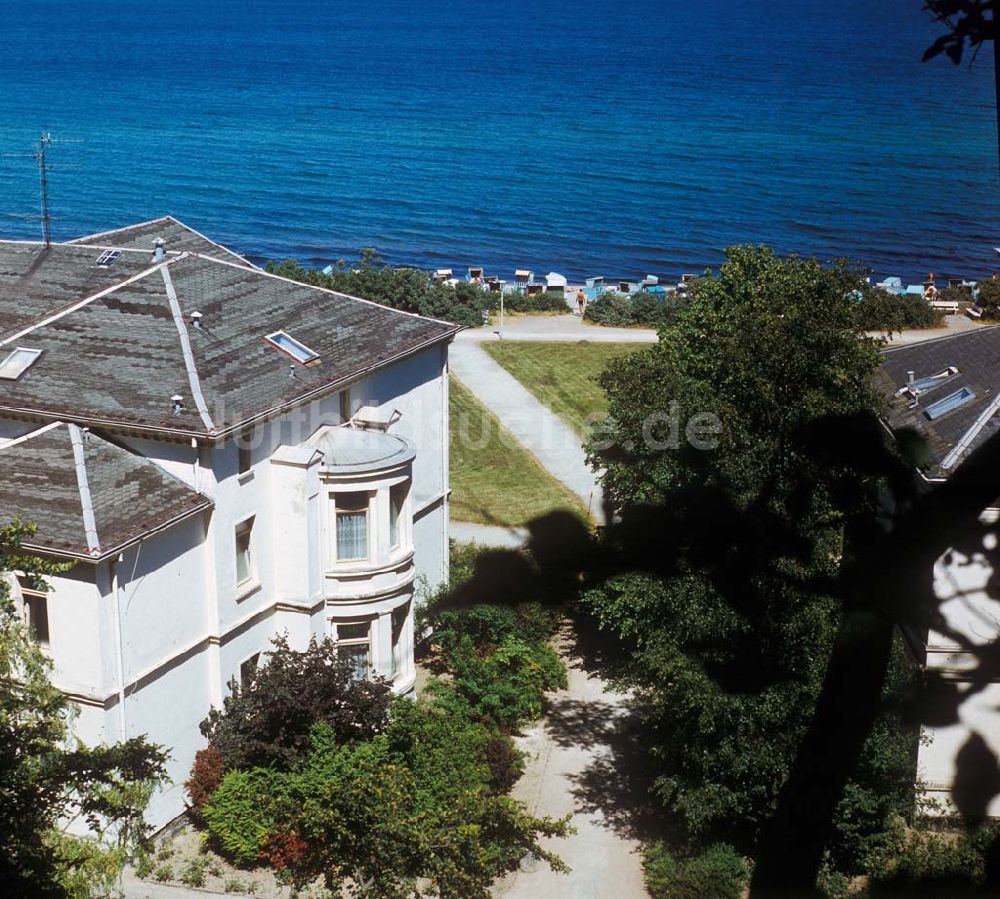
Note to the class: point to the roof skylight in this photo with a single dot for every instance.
(283, 341)
(108, 258)
(922, 385)
(17, 363)
(948, 403)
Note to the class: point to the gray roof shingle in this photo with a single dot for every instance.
(130, 496)
(976, 355)
(115, 361)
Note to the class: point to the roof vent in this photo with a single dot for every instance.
(178, 402)
(196, 318)
(159, 251)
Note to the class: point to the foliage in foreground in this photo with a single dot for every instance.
(717, 873)
(268, 721)
(729, 610)
(47, 779)
(388, 798)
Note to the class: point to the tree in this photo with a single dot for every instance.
(988, 297)
(969, 24)
(269, 720)
(47, 778)
(736, 545)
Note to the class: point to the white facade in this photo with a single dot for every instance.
(147, 643)
(970, 606)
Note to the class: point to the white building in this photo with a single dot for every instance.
(222, 455)
(948, 390)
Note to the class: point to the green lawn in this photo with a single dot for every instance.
(494, 479)
(563, 376)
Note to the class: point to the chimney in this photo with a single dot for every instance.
(159, 253)
(909, 378)
(196, 320)
(178, 402)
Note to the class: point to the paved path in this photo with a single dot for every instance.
(953, 324)
(488, 535)
(536, 427)
(583, 763)
(557, 328)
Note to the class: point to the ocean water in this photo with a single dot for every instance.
(586, 136)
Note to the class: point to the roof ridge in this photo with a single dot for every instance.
(194, 380)
(86, 500)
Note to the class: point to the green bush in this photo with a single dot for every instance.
(717, 873)
(505, 761)
(879, 310)
(241, 813)
(193, 873)
(408, 289)
(611, 308)
(488, 625)
(506, 687)
(920, 862)
(550, 301)
(988, 297)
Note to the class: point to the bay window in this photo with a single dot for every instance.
(351, 526)
(354, 646)
(397, 497)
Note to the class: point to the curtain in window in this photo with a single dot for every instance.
(357, 655)
(352, 535)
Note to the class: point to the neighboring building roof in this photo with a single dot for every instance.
(176, 236)
(89, 498)
(955, 432)
(119, 342)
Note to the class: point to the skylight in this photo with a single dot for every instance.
(922, 385)
(108, 258)
(17, 363)
(288, 345)
(948, 403)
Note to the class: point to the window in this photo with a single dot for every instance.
(345, 404)
(291, 347)
(952, 401)
(399, 617)
(248, 671)
(243, 443)
(397, 497)
(17, 363)
(108, 258)
(351, 526)
(36, 611)
(244, 556)
(354, 646)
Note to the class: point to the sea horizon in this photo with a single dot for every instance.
(585, 138)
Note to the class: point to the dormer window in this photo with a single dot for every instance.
(108, 258)
(294, 349)
(950, 402)
(18, 362)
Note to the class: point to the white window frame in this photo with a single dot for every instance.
(396, 638)
(336, 496)
(399, 524)
(30, 596)
(347, 642)
(245, 527)
(252, 658)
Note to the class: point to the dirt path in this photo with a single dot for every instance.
(584, 761)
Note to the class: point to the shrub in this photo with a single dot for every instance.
(241, 813)
(988, 297)
(611, 308)
(506, 687)
(269, 722)
(550, 301)
(488, 625)
(919, 862)
(506, 763)
(163, 873)
(879, 310)
(407, 289)
(206, 775)
(193, 873)
(718, 873)
(236, 885)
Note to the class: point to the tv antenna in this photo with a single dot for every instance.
(41, 160)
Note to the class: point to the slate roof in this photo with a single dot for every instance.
(114, 343)
(976, 355)
(127, 496)
(176, 236)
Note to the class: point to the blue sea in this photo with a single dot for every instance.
(585, 136)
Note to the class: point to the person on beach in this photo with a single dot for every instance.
(581, 301)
